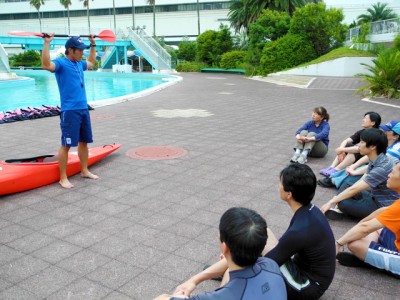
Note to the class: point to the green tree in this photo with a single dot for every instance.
(270, 26)
(37, 4)
(187, 50)
(153, 3)
(66, 4)
(212, 44)
(377, 12)
(243, 12)
(288, 6)
(322, 26)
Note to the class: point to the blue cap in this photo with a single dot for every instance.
(396, 129)
(76, 42)
(389, 126)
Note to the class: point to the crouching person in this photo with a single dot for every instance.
(243, 235)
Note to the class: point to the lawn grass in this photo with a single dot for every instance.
(338, 53)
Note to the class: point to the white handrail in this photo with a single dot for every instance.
(4, 64)
(378, 27)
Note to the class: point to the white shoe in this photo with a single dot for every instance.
(302, 159)
(295, 157)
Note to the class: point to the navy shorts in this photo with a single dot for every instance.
(75, 127)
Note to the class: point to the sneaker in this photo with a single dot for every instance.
(219, 278)
(328, 172)
(334, 214)
(302, 159)
(295, 157)
(350, 260)
(326, 182)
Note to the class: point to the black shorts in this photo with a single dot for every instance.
(298, 285)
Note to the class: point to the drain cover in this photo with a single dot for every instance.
(156, 152)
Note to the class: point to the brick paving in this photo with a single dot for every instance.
(145, 226)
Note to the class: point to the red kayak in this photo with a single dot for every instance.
(17, 175)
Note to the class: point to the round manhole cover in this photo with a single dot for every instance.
(156, 152)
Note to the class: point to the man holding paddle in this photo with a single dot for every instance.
(75, 119)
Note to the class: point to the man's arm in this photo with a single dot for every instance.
(47, 64)
(358, 232)
(91, 60)
(216, 270)
(357, 187)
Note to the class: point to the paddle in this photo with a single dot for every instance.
(105, 35)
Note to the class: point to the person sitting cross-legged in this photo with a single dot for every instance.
(305, 252)
(370, 192)
(348, 152)
(243, 234)
(375, 240)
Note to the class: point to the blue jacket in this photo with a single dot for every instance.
(321, 132)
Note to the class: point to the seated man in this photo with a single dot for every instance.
(375, 240)
(306, 251)
(243, 234)
(370, 192)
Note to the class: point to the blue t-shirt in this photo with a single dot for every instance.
(321, 131)
(71, 83)
(261, 281)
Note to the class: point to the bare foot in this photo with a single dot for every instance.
(66, 184)
(89, 175)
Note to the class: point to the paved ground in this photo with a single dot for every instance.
(145, 226)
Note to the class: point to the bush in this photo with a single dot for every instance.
(27, 59)
(233, 59)
(383, 79)
(212, 44)
(396, 43)
(190, 67)
(287, 52)
(187, 50)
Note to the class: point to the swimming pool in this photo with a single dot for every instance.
(102, 88)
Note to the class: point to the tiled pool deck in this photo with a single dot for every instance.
(145, 226)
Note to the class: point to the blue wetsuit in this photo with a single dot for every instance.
(310, 241)
(261, 281)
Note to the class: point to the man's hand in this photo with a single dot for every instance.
(92, 40)
(48, 37)
(185, 288)
(324, 208)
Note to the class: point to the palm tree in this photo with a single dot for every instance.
(244, 12)
(153, 2)
(288, 5)
(37, 4)
(86, 4)
(66, 4)
(378, 12)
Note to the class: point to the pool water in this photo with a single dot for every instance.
(99, 86)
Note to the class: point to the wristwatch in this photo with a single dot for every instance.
(92, 45)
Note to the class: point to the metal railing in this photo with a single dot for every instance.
(379, 27)
(157, 56)
(4, 64)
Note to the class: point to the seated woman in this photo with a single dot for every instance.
(312, 139)
(353, 173)
(348, 153)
